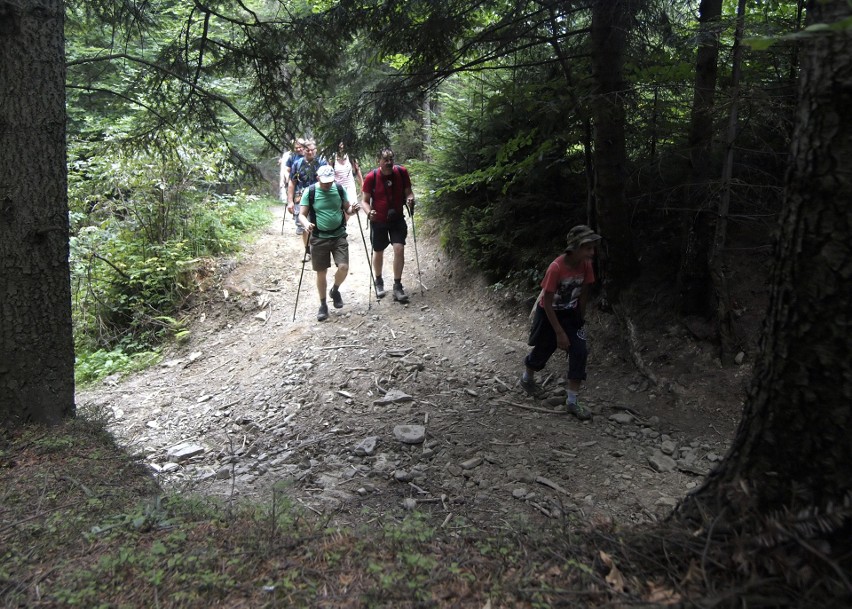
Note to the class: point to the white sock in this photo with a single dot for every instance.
(572, 397)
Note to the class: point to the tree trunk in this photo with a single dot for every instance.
(36, 344)
(693, 275)
(611, 22)
(792, 448)
(729, 343)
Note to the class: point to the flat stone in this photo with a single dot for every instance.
(410, 434)
(393, 396)
(668, 447)
(183, 451)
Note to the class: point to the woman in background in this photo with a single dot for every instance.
(346, 172)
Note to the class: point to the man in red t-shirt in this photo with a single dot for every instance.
(384, 192)
(560, 316)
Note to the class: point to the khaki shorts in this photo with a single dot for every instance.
(322, 251)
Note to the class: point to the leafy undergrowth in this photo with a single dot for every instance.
(82, 524)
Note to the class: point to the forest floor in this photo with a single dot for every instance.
(255, 401)
(387, 457)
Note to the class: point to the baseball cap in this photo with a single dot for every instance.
(580, 235)
(326, 174)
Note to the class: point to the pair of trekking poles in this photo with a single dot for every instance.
(369, 262)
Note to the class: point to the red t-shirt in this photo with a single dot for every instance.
(566, 283)
(387, 191)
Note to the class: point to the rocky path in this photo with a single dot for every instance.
(386, 408)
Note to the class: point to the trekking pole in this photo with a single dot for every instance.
(299, 289)
(369, 263)
(416, 257)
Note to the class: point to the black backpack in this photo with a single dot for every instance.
(312, 215)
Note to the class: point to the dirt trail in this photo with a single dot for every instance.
(256, 401)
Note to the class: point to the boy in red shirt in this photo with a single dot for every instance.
(560, 315)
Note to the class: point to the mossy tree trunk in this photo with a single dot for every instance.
(36, 344)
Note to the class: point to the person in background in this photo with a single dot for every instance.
(384, 191)
(302, 175)
(560, 316)
(347, 173)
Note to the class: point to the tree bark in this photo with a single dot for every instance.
(693, 275)
(728, 341)
(36, 344)
(792, 448)
(612, 20)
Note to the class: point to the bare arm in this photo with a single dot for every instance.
(304, 220)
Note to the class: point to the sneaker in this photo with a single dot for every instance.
(380, 287)
(322, 314)
(336, 298)
(530, 386)
(578, 411)
(399, 294)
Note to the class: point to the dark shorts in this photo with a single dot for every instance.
(543, 341)
(322, 251)
(382, 235)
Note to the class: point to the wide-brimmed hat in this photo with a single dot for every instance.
(580, 235)
(326, 174)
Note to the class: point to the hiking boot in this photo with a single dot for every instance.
(530, 387)
(578, 411)
(322, 314)
(399, 294)
(380, 287)
(336, 298)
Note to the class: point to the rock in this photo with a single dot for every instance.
(662, 463)
(393, 396)
(739, 357)
(623, 418)
(223, 473)
(520, 493)
(712, 457)
(668, 447)
(666, 501)
(409, 503)
(184, 451)
(366, 447)
(471, 463)
(401, 475)
(410, 434)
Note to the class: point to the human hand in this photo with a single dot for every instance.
(410, 202)
(371, 214)
(290, 208)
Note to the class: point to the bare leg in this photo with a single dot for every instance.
(322, 283)
(398, 260)
(378, 262)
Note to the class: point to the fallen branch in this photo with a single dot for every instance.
(534, 408)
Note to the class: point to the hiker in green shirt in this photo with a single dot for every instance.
(323, 215)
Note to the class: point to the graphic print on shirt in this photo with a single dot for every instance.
(568, 293)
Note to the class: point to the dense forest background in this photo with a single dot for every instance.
(664, 124)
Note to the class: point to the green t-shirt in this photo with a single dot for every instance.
(329, 213)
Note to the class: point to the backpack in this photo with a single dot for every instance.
(397, 174)
(312, 215)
